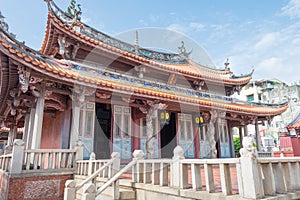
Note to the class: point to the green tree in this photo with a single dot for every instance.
(237, 145)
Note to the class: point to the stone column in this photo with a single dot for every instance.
(26, 126)
(150, 135)
(241, 136)
(10, 139)
(258, 138)
(38, 121)
(11, 135)
(211, 133)
(30, 128)
(231, 142)
(245, 130)
(75, 122)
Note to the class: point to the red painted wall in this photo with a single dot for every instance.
(51, 132)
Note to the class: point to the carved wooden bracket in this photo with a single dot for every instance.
(23, 78)
(128, 100)
(82, 91)
(140, 70)
(103, 95)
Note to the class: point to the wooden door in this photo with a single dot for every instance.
(224, 139)
(86, 127)
(122, 131)
(204, 144)
(186, 135)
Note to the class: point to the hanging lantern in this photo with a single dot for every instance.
(198, 119)
(163, 116)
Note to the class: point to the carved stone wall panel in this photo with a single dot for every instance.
(42, 189)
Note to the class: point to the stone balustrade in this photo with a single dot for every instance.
(264, 154)
(153, 171)
(280, 175)
(195, 173)
(5, 161)
(49, 159)
(88, 167)
(22, 161)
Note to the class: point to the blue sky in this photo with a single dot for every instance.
(260, 33)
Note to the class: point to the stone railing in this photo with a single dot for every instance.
(247, 177)
(40, 160)
(153, 171)
(5, 162)
(206, 170)
(88, 167)
(49, 159)
(109, 169)
(280, 175)
(265, 154)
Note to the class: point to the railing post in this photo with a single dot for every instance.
(250, 171)
(79, 150)
(89, 192)
(137, 155)
(175, 168)
(17, 156)
(115, 167)
(91, 163)
(70, 190)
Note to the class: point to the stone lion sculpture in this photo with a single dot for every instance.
(248, 149)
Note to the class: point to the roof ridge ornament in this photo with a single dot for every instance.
(74, 11)
(136, 42)
(227, 63)
(183, 52)
(3, 24)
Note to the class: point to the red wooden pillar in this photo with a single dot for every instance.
(135, 139)
(196, 141)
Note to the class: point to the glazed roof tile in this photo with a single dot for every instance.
(58, 18)
(295, 124)
(58, 69)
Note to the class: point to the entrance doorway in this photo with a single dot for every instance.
(168, 139)
(102, 135)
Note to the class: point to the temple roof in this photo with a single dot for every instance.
(98, 78)
(162, 61)
(295, 124)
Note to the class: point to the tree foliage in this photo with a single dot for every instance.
(237, 145)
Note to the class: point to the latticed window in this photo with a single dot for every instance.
(86, 120)
(185, 127)
(223, 131)
(202, 132)
(122, 121)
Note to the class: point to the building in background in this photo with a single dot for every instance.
(272, 91)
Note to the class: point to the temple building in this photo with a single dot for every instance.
(118, 97)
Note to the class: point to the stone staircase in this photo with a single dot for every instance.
(126, 192)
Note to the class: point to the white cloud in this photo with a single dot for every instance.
(267, 40)
(292, 9)
(274, 54)
(177, 28)
(196, 26)
(191, 27)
